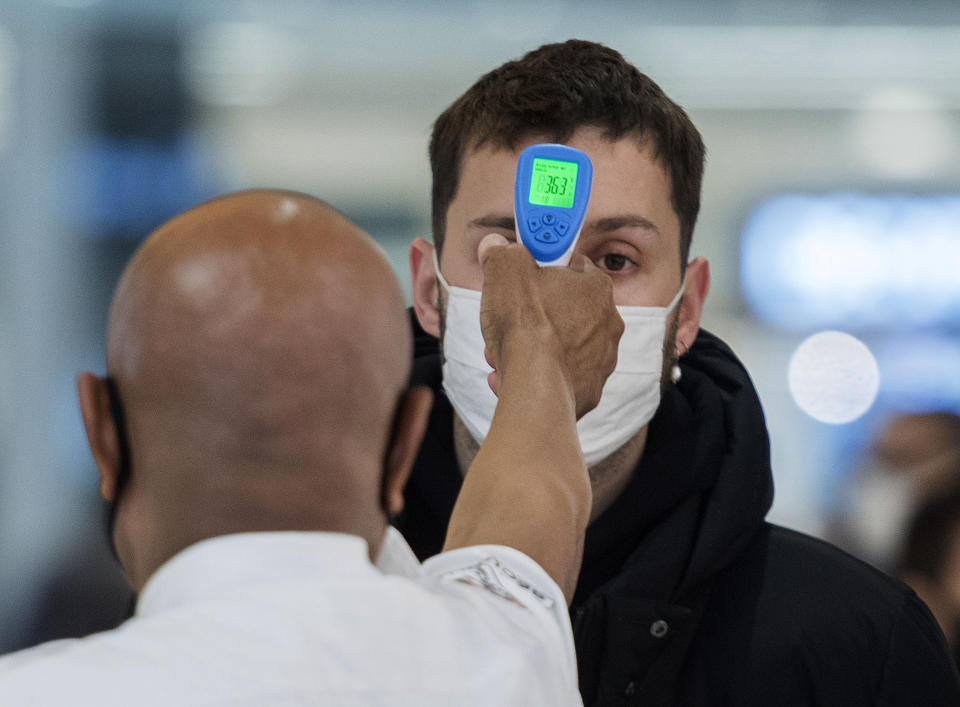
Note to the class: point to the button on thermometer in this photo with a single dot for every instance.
(550, 198)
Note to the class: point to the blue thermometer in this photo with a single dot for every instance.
(550, 198)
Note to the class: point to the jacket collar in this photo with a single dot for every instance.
(700, 491)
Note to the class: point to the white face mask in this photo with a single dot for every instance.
(630, 396)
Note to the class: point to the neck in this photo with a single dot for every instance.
(608, 478)
(235, 513)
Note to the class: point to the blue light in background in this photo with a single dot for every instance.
(884, 266)
(853, 261)
(920, 373)
(128, 187)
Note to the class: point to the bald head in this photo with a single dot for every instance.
(260, 324)
(260, 348)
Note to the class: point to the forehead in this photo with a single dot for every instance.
(628, 178)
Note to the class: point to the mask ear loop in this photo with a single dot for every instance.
(675, 373)
(392, 518)
(676, 297)
(123, 467)
(123, 474)
(436, 268)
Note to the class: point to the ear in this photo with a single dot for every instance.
(408, 430)
(102, 434)
(424, 280)
(696, 287)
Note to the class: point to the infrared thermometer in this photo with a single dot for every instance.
(550, 196)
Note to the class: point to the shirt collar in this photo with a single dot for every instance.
(224, 565)
(396, 557)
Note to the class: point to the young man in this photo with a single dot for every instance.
(686, 595)
(255, 431)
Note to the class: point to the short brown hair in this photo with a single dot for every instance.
(552, 91)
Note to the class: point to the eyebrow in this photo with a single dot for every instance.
(604, 225)
(614, 223)
(493, 221)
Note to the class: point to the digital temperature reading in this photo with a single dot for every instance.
(550, 195)
(554, 182)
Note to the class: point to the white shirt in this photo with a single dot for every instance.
(283, 619)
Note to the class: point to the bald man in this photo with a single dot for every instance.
(255, 431)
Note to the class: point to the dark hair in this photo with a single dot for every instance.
(949, 423)
(552, 91)
(927, 545)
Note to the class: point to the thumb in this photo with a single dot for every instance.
(580, 263)
(491, 240)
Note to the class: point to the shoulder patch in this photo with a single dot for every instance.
(499, 579)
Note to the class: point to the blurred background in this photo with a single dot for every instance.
(831, 216)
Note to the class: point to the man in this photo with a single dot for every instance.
(686, 595)
(253, 434)
(912, 458)
(929, 559)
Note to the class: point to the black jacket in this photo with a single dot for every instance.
(686, 595)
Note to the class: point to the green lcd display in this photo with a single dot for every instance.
(553, 182)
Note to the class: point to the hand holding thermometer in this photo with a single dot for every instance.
(550, 198)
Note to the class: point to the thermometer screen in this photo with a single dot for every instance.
(553, 182)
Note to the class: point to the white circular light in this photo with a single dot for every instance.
(833, 377)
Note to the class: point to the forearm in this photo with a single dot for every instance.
(528, 487)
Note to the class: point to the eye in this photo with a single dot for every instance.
(614, 262)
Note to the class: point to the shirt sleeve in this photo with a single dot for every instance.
(918, 669)
(512, 584)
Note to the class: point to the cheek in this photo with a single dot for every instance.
(640, 289)
(462, 271)
(630, 292)
(648, 285)
(459, 262)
